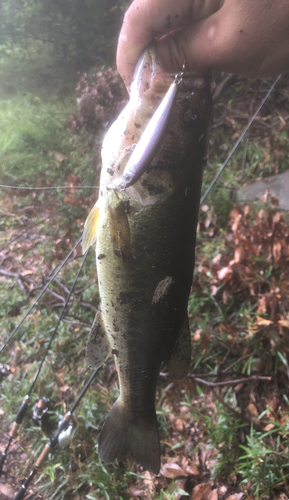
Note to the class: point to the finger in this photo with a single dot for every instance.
(229, 40)
(147, 19)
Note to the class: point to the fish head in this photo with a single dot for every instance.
(188, 120)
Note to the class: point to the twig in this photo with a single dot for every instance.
(90, 306)
(60, 304)
(280, 455)
(190, 375)
(236, 362)
(229, 349)
(19, 278)
(59, 297)
(232, 382)
(21, 285)
(76, 323)
(226, 405)
(12, 275)
(62, 286)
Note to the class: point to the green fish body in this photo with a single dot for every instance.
(145, 241)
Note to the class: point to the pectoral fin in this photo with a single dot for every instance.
(120, 232)
(180, 359)
(98, 347)
(90, 228)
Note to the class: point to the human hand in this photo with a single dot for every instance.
(246, 37)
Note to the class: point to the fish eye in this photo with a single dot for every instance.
(128, 177)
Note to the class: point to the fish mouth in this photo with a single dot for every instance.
(149, 75)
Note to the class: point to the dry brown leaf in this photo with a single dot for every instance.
(277, 251)
(179, 425)
(214, 494)
(263, 321)
(284, 322)
(192, 469)
(201, 492)
(64, 388)
(252, 410)
(135, 491)
(268, 427)
(59, 157)
(235, 496)
(205, 341)
(223, 490)
(173, 470)
(225, 273)
(25, 273)
(239, 254)
(6, 490)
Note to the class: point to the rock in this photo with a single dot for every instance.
(277, 185)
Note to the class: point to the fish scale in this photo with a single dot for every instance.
(145, 241)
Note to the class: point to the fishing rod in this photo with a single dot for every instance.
(60, 437)
(239, 140)
(39, 296)
(24, 405)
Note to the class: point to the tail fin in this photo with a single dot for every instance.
(122, 438)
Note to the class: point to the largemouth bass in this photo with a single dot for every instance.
(145, 240)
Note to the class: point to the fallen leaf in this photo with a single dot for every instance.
(263, 321)
(135, 491)
(201, 492)
(64, 388)
(6, 490)
(284, 322)
(252, 410)
(214, 495)
(192, 469)
(173, 470)
(223, 490)
(225, 273)
(59, 157)
(179, 425)
(25, 273)
(268, 427)
(235, 496)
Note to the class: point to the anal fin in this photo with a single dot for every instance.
(98, 347)
(180, 358)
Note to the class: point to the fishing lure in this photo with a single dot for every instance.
(146, 149)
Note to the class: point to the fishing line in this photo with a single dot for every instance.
(64, 424)
(239, 140)
(48, 187)
(39, 295)
(24, 405)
